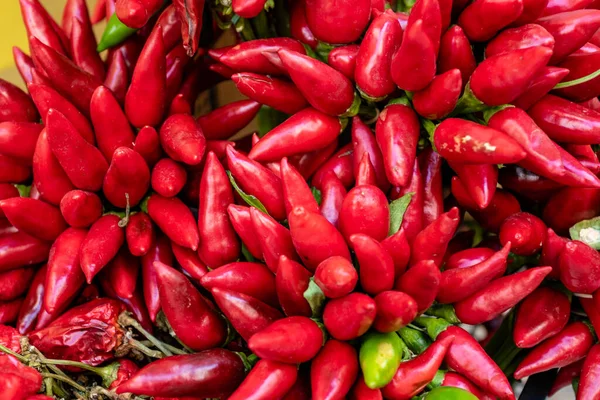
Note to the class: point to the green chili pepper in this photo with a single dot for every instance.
(380, 355)
(416, 340)
(449, 393)
(433, 326)
(114, 33)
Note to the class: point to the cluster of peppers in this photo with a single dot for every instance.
(418, 166)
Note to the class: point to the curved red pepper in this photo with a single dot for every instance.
(32, 305)
(139, 234)
(459, 283)
(190, 14)
(34, 217)
(307, 130)
(290, 340)
(182, 139)
(295, 190)
(160, 251)
(540, 85)
(15, 282)
(168, 177)
(499, 296)
(299, 27)
(579, 266)
(122, 273)
(127, 179)
(365, 173)
(24, 64)
(365, 210)
(414, 64)
(17, 249)
(337, 23)
(463, 141)
(336, 276)
(117, 77)
(431, 242)
(39, 24)
(590, 373)
(332, 197)
(394, 311)
(83, 47)
(333, 370)
(565, 376)
(580, 65)
(18, 140)
(101, 245)
(398, 248)
(569, 345)
(210, 373)
(440, 97)
(512, 81)
(175, 219)
(551, 249)
(583, 203)
(525, 231)
(376, 265)
(522, 37)
(543, 314)
(350, 316)
(431, 13)
(227, 120)
(372, 71)
(421, 282)
(291, 282)
(466, 357)
(456, 52)
(341, 164)
(496, 14)
(273, 92)
(412, 376)
(266, 380)
(64, 277)
(147, 144)
(246, 314)
(343, 59)
(274, 239)
(242, 224)
(364, 142)
(478, 180)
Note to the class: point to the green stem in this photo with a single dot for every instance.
(125, 220)
(12, 353)
(126, 320)
(147, 351)
(66, 380)
(578, 81)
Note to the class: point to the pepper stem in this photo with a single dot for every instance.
(66, 380)
(445, 311)
(12, 353)
(125, 220)
(468, 103)
(434, 326)
(578, 81)
(125, 319)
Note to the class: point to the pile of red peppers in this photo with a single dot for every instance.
(417, 216)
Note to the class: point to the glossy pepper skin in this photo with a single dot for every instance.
(569, 345)
(372, 72)
(182, 139)
(439, 98)
(101, 244)
(267, 379)
(421, 282)
(122, 273)
(478, 184)
(412, 376)
(579, 266)
(431, 242)
(540, 85)
(20, 249)
(343, 59)
(588, 382)
(168, 177)
(394, 311)
(525, 36)
(397, 133)
(190, 15)
(380, 355)
(336, 277)
(350, 316)
(273, 238)
(337, 22)
(291, 282)
(139, 234)
(376, 265)
(543, 314)
(583, 201)
(341, 164)
(333, 370)
(32, 305)
(241, 221)
(34, 217)
(273, 92)
(525, 232)
(227, 120)
(127, 178)
(46, 97)
(289, 340)
(306, 131)
(580, 65)
(299, 28)
(455, 52)
(175, 219)
(365, 211)
(80, 209)
(221, 371)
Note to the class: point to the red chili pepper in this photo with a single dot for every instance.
(242, 224)
(421, 282)
(9, 310)
(501, 13)
(227, 120)
(431, 14)
(464, 280)
(34, 217)
(117, 77)
(522, 37)
(543, 314)
(583, 203)
(16, 105)
(160, 251)
(456, 52)
(18, 380)
(15, 282)
(275, 240)
(18, 140)
(341, 164)
(440, 97)
(551, 249)
(291, 282)
(210, 373)
(466, 357)
(171, 23)
(365, 210)
(343, 23)
(365, 173)
(413, 65)
(83, 47)
(540, 85)
(343, 59)
(276, 93)
(7, 191)
(295, 190)
(332, 197)
(314, 238)
(24, 64)
(336, 276)
(180, 105)
(565, 376)
(190, 13)
(571, 30)
(248, 8)
(12, 171)
(290, 340)
(452, 379)
(127, 179)
(413, 217)
(122, 273)
(147, 143)
(364, 142)
(101, 245)
(431, 242)
(398, 248)
(360, 391)
(394, 311)
(376, 265)
(19, 249)
(579, 266)
(145, 101)
(372, 71)
(590, 372)
(475, 184)
(306, 131)
(39, 24)
(499, 296)
(72, 82)
(168, 177)
(580, 65)
(525, 231)
(139, 234)
(176, 62)
(514, 82)
(135, 13)
(175, 219)
(32, 305)
(299, 28)
(572, 344)
(182, 139)
(350, 316)
(463, 141)
(334, 370)
(80, 209)
(266, 380)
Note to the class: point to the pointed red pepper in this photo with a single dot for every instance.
(190, 13)
(440, 97)
(376, 265)
(291, 281)
(350, 316)
(71, 81)
(551, 249)
(45, 98)
(111, 127)
(32, 305)
(522, 37)
(299, 28)
(139, 234)
(414, 64)
(456, 52)
(496, 14)
(579, 266)
(398, 248)
(412, 222)
(242, 224)
(145, 102)
(266, 380)
(275, 240)
(160, 251)
(364, 142)
(412, 376)
(64, 277)
(24, 64)
(430, 11)
(34, 217)
(584, 203)
(542, 83)
(295, 190)
(39, 24)
(365, 210)
(18, 140)
(394, 311)
(289, 340)
(565, 376)
(571, 30)
(421, 282)
(307, 130)
(175, 219)
(227, 120)
(182, 139)
(525, 231)
(341, 164)
(101, 245)
(15, 283)
(333, 371)
(581, 65)
(147, 144)
(273, 92)
(48, 176)
(478, 180)
(465, 141)
(588, 382)
(15, 105)
(372, 72)
(127, 179)
(117, 77)
(83, 163)
(122, 273)
(342, 23)
(83, 48)
(343, 59)
(431, 242)
(135, 13)
(365, 173)
(569, 345)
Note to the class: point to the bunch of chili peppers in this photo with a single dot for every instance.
(419, 168)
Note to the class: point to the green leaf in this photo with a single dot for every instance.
(268, 119)
(316, 194)
(315, 297)
(397, 209)
(248, 198)
(587, 231)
